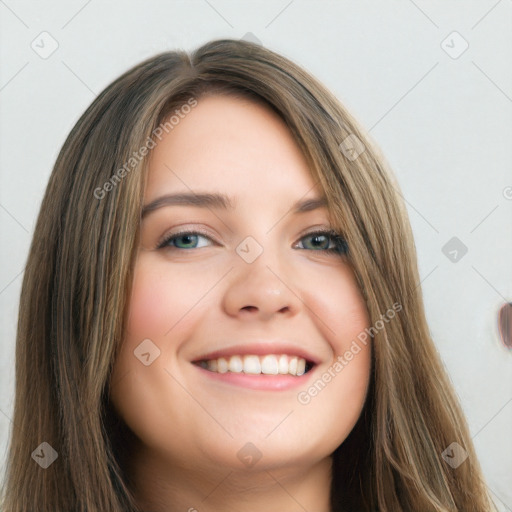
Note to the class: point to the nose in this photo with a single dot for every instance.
(260, 290)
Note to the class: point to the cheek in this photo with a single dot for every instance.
(339, 308)
(155, 307)
(339, 388)
(352, 352)
(147, 396)
(152, 303)
(161, 300)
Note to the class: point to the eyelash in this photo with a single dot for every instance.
(341, 244)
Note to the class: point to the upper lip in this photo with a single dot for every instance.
(262, 348)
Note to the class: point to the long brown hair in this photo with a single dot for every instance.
(80, 268)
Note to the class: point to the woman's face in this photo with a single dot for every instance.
(257, 284)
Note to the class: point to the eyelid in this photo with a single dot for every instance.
(320, 228)
(324, 230)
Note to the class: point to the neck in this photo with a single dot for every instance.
(164, 487)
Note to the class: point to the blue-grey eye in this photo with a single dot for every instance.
(326, 241)
(185, 240)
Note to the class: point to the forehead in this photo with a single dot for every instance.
(231, 144)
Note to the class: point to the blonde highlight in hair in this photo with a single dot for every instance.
(78, 279)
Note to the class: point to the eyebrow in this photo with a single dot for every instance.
(220, 201)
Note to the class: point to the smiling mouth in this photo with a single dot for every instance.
(271, 364)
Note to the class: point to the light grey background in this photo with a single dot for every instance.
(443, 123)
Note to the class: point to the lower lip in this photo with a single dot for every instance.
(260, 381)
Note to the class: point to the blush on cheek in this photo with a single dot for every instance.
(146, 314)
(163, 300)
(152, 303)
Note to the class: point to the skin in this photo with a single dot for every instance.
(193, 300)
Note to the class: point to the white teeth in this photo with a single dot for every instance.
(252, 364)
(222, 365)
(283, 364)
(301, 366)
(292, 366)
(268, 365)
(236, 365)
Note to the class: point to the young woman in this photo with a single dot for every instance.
(221, 310)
